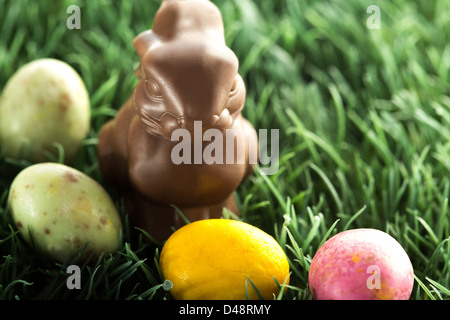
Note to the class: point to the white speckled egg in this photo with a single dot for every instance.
(43, 103)
(60, 209)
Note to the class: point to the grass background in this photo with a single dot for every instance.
(364, 119)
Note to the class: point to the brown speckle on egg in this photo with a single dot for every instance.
(64, 103)
(71, 177)
(103, 220)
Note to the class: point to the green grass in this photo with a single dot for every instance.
(364, 120)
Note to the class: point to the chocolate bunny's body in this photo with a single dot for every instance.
(187, 74)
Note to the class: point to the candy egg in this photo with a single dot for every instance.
(59, 210)
(361, 264)
(215, 259)
(44, 104)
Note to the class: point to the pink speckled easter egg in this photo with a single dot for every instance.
(361, 264)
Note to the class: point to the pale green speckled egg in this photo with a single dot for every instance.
(44, 104)
(60, 209)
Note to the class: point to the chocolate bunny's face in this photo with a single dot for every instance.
(187, 76)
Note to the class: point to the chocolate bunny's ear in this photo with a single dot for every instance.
(143, 42)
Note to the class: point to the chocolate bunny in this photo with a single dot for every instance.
(187, 76)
